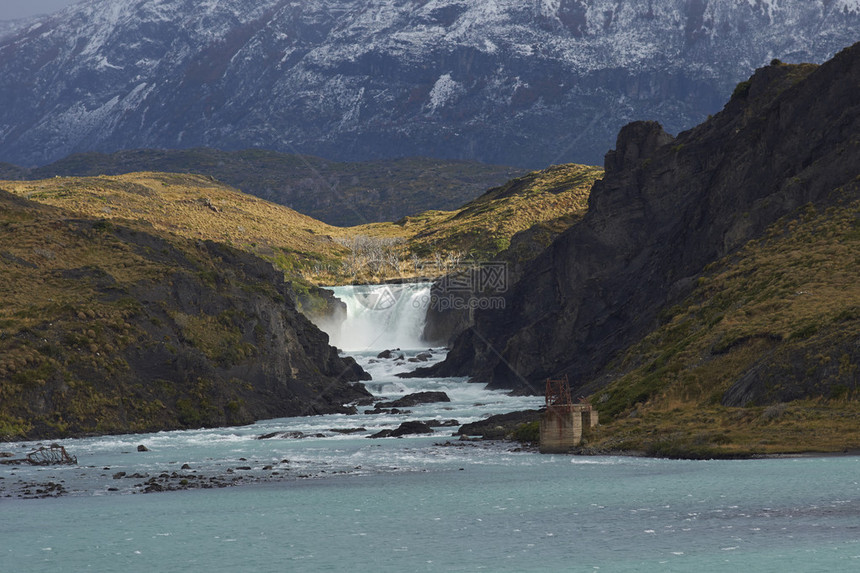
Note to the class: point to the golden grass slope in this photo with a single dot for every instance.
(199, 207)
(483, 228)
(782, 314)
(113, 326)
(192, 206)
(56, 324)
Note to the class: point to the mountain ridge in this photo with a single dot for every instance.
(527, 84)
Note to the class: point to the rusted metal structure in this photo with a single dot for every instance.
(55, 455)
(562, 423)
(558, 392)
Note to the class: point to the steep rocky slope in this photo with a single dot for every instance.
(666, 208)
(498, 233)
(114, 326)
(502, 81)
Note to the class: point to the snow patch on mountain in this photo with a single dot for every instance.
(549, 8)
(508, 81)
(444, 91)
(848, 6)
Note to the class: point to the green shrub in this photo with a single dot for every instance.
(103, 226)
(528, 432)
(742, 90)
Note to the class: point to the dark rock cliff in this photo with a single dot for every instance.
(666, 208)
(114, 327)
(289, 369)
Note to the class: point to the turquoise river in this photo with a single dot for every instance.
(317, 494)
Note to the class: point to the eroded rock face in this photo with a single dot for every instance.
(666, 208)
(208, 336)
(293, 370)
(321, 306)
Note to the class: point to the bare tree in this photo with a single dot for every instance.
(372, 253)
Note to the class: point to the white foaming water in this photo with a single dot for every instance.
(324, 495)
(317, 491)
(316, 446)
(381, 316)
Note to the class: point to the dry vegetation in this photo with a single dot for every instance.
(791, 298)
(83, 299)
(72, 256)
(434, 242)
(51, 320)
(484, 228)
(194, 207)
(427, 244)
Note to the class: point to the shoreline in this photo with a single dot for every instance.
(139, 480)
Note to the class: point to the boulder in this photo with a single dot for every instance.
(348, 430)
(415, 399)
(378, 410)
(289, 435)
(406, 428)
(442, 423)
(390, 354)
(500, 426)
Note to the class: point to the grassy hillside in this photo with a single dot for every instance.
(484, 227)
(128, 303)
(198, 207)
(338, 193)
(543, 203)
(174, 202)
(762, 357)
(192, 206)
(110, 327)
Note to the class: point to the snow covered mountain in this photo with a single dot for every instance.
(521, 82)
(9, 27)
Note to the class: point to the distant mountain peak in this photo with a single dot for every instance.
(503, 81)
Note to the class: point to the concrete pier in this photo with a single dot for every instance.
(562, 424)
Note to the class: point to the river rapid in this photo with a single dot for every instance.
(317, 494)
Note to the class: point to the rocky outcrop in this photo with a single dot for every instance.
(390, 354)
(293, 370)
(535, 209)
(320, 305)
(415, 399)
(666, 208)
(451, 311)
(500, 426)
(404, 429)
(163, 333)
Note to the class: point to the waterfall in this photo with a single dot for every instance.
(383, 316)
